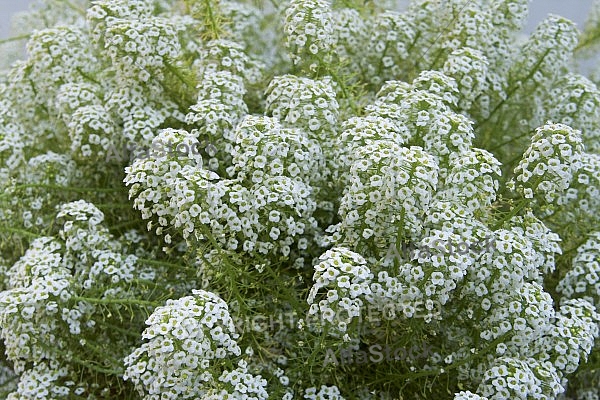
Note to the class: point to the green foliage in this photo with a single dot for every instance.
(304, 199)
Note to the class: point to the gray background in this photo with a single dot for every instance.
(7, 9)
(576, 10)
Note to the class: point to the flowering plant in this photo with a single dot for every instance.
(214, 199)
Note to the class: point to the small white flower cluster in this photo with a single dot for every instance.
(138, 45)
(548, 165)
(570, 339)
(425, 109)
(451, 216)
(91, 131)
(583, 279)
(527, 322)
(226, 55)
(388, 47)
(512, 378)
(219, 108)
(139, 48)
(264, 148)
(267, 216)
(545, 242)
(581, 201)
(73, 95)
(575, 101)
(358, 132)
(11, 143)
(224, 71)
(140, 112)
(389, 192)
(49, 169)
(389, 94)
(351, 33)
(104, 12)
(473, 180)
(539, 63)
(527, 315)
(309, 32)
(187, 340)
(487, 27)
(311, 105)
(437, 267)
(30, 308)
(49, 306)
(44, 381)
(341, 283)
(241, 385)
(511, 261)
(148, 175)
(469, 68)
(438, 84)
(304, 103)
(82, 228)
(323, 393)
(467, 395)
(469, 25)
(428, 274)
(373, 220)
(57, 55)
(509, 15)
(550, 43)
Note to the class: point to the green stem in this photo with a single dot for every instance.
(233, 286)
(290, 293)
(19, 232)
(69, 188)
(414, 375)
(84, 363)
(113, 205)
(87, 76)
(125, 332)
(7, 381)
(513, 90)
(214, 26)
(165, 264)
(93, 367)
(342, 84)
(102, 353)
(74, 7)
(173, 69)
(509, 141)
(589, 39)
(135, 302)
(15, 38)
(442, 33)
(124, 225)
(514, 211)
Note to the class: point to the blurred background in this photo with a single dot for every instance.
(575, 10)
(7, 9)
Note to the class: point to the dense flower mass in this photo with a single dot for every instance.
(299, 199)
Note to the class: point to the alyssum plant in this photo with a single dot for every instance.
(326, 134)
